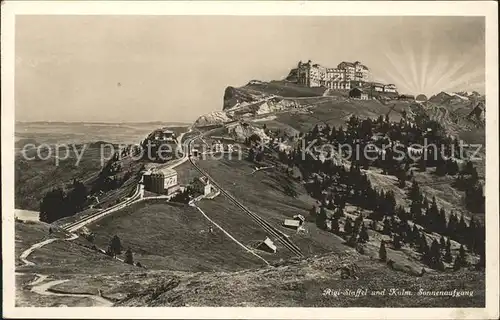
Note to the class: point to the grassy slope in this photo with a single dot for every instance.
(60, 260)
(336, 112)
(170, 236)
(293, 285)
(186, 173)
(241, 226)
(285, 89)
(290, 284)
(60, 257)
(27, 234)
(263, 193)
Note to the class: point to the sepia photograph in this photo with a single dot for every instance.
(297, 157)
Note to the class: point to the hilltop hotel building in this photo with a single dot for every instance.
(346, 76)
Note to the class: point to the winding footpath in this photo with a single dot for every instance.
(44, 289)
(30, 250)
(41, 287)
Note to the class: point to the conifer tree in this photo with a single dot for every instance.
(415, 235)
(462, 256)
(435, 254)
(416, 212)
(352, 239)
(414, 193)
(115, 246)
(387, 226)
(441, 221)
(461, 229)
(396, 242)
(348, 226)
(423, 247)
(312, 212)
(129, 256)
(382, 252)
(447, 256)
(363, 234)
(456, 264)
(425, 203)
(451, 229)
(339, 213)
(335, 226)
(321, 218)
(482, 261)
(402, 214)
(358, 222)
(442, 242)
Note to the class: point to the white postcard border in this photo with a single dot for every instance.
(488, 9)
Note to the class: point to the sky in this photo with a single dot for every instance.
(176, 68)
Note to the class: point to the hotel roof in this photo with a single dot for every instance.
(168, 172)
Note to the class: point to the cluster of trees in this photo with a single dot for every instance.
(389, 148)
(109, 178)
(115, 248)
(468, 180)
(334, 185)
(352, 186)
(433, 219)
(59, 203)
(157, 152)
(474, 198)
(434, 255)
(62, 202)
(184, 196)
(256, 151)
(355, 232)
(256, 154)
(446, 167)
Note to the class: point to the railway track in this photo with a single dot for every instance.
(280, 236)
(73, 226)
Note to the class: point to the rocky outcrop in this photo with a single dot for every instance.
(237, 96)
(241, 130)
(293, 75)
(212, 118)
(267, 105)
(477, 113)
(455, 97)
(469, 94)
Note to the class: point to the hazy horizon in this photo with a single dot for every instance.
(113, 69)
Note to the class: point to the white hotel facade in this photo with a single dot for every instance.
(345, 76)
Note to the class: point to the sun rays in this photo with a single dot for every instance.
(421, 66)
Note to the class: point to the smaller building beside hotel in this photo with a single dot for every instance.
(202, 185)
(358, 93)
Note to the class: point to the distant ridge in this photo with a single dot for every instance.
(105, 123)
